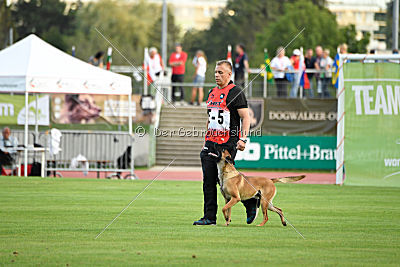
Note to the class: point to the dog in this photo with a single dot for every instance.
(236, 187)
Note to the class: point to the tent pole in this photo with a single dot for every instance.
(132, 172)
(26, 136)
(145, 88)
(36, 118)
(129, 114)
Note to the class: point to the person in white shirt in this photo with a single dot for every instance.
(200, 64)
(8, 145)
(279, 65)
(326, 76)
(155, 64)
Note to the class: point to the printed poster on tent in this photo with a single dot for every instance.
(12, 109)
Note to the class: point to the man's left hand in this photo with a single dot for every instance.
(240, 145)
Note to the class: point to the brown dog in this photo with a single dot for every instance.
(236, 187)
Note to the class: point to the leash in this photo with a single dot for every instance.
(259, 192)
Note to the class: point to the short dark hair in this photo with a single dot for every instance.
(242, 46)
(226, 62)
(99, 54)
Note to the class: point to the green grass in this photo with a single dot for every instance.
(54, 222)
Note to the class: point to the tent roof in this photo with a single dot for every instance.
(33, 65)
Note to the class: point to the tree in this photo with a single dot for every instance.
(239, 22)
(50, 19)
(319, 23)
(348, 35)
(5, 23)
(173, 31)
(128, 26)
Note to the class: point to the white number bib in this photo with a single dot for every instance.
(218, 119)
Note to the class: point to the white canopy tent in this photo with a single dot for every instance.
(34, 66)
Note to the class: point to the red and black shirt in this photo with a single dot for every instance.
(223, 118)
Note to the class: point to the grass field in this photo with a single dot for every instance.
(54, 222)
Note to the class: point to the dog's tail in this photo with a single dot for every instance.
(288, 179)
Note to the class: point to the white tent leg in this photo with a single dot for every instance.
(36, 118)
(132, 172)
(26, 136)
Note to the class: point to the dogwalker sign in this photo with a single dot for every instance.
(368, 139)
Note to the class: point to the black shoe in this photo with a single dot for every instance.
(203, 221)
(252, 206)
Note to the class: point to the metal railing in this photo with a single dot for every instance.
(259, 87)
(84, 151)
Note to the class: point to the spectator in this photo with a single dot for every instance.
(295, 60)
(8, 145)
(395, 52)
(326, 76)
(155, 64)
(318, 52)
(310, 65)
(279, 65)
(343, 48)
(177, 61)
(97, 60)
(371, 52)
(200, 64)
(241, 65)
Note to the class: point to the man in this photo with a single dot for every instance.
(279, 65)
(310, 65)
(177, 61)
(326, 65)
(241, 65)
(226, 106)
(155, 64)
(295, 60)
(8, 145)
(317, 66)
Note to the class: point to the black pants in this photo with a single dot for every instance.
(325, 87)
(177, 78)
(281, 87)
(210, 178)
(5, 159)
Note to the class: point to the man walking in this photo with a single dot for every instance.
(177, 61)
(227, 110)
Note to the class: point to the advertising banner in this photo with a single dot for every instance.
(91, 109)
(300, 116)
(288, 152)
(12, 109)
(372, 124)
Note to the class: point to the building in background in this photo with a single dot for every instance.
(366, 15)
(193, 14)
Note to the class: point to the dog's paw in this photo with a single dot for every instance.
(284, 224)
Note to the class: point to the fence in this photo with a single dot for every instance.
(99, 151)
(256, 84)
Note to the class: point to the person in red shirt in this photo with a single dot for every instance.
(177, 61)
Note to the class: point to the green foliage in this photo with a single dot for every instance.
(249, 17)
(5, 23)
(130, 27)
(173, 32)
(53, 221)
(48, 19)
(348, 35)
(319, 23)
